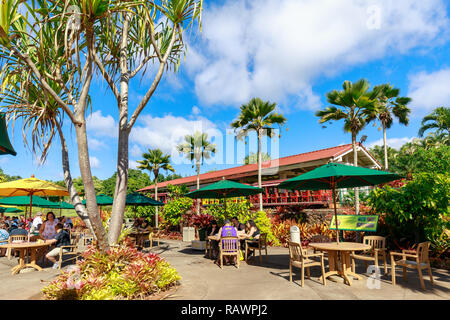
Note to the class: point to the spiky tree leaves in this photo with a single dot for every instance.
(439, 120)
(155, 160)
(259, 116)
(197, 148)
(388, 106)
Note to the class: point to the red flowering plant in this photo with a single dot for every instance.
(121, 273)
(201, 221)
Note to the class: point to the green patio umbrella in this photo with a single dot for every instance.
(65, 205)
(137, 200)
(25, 201)
(102, 200)
(224, 189)
(5, 144)
(10, 210)
(336, 175)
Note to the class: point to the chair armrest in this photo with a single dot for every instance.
(403, 255)
(313, 255)
(409, 251)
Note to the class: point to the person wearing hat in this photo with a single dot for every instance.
(37, 222)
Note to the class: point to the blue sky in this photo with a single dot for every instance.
(289, 52)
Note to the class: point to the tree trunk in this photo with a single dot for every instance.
(120, 192)
(198, 185)
(89, 188)
(385, 149)
(74, 198)
(156, 198)
(259, 170)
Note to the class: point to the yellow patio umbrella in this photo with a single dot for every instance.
(31, 187)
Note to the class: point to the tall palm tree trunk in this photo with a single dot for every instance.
(198, 185)
(259, 170)
(385, 148)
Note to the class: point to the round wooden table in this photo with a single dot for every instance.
(339, 258)
(140, 237)
(22, 248)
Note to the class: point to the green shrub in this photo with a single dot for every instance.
(174, 210)
(121, 273)
(416, 212)
(239, 209)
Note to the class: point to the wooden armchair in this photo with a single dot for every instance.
(11, 239)
(229, 246)
(72, 250)
(88, 238)
(377, 251)
(298, 257)
(260, 244)
(418, 260)
(154, 234)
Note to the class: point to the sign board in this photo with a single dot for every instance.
(355, 223)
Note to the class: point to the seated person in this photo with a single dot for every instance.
(213, 230)
(228, 231)
(61, 238)
(145, 226)
(4, 236)
(19, 231)
(240, 227)
(252, 233)
(68, 224)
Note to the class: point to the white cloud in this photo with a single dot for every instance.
(95, 144)
(395, 143)
(167, 132)
(275, 49)
(195, 110)
(132, 164)
(95, 163)
(102, 125)
(136, 151)
(430, 90)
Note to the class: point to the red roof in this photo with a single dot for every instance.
(245, 170)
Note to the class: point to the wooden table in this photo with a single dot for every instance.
(339, 258)
(22, 248)
(140, 237)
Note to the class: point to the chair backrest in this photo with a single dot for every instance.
(422, 251)
(320, 238)
(229, 244)
(295, 251)
(17, 238)
(262, 240)
(376, 242)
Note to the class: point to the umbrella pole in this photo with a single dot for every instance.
(225, 204)
(31, 202)
(335, 210)
(60, 209)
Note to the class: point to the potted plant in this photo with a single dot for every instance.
(201, 222)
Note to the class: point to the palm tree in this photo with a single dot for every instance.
(197, 148)
(356, 106)
(258, 116)
(387, 107)
(154, 160)
(253, 158)
(439, 119)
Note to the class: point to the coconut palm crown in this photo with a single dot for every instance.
(439, 119)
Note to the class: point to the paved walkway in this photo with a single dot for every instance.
(202, 279)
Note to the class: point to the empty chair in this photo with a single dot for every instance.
(298, 257)
(12, 239)
(377, 251)
(153, 235)
(228, 246)
(418, 259)
(260, 244)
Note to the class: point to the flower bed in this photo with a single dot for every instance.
(122, 273)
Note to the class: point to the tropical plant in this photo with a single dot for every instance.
(389, 104)
(175, 209)
(155, 160)
(419, 211)
(58, 49)
(197, 148)
(253, 158)
(356, 106)
(201, 221)
(258, 116)
(439, 119)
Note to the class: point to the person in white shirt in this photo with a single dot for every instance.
(36, 222)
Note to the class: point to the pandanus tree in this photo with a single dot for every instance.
(155, 160)
(388, 106)
(67, 42)
(439, 120)
(259, 116)
(197, 148)
(355, 104)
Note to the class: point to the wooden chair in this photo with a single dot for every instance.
(154, 234)
(298, 257)
(261, 245)
(73, 250)
(88, 238)
(374, 254)
(14, 238)
(229, 246)
(420, 261)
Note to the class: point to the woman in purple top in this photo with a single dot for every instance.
(228, 231)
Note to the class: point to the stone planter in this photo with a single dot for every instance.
(188, 234)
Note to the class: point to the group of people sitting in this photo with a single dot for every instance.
(234, 228)
(51, 229)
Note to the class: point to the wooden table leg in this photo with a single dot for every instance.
(32, 263)
(21, 264)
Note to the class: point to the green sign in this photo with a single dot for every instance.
(355, 223)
